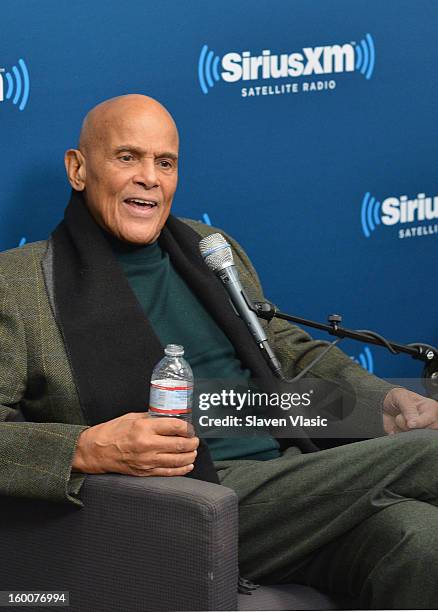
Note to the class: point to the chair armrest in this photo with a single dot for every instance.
(138, 544)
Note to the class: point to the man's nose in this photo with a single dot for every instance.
(147, 174)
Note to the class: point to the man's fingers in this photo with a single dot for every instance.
(162, 471)
(173, 459)
(409, 411)
(418, 417)
(175, 444)
(168, 426)
(410, 414)
(400, 424)
(427, 415)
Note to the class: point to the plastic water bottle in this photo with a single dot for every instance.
(171, 393)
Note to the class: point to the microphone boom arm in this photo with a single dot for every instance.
(417, 350)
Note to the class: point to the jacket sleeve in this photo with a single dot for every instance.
(296, 349)
(35, 458)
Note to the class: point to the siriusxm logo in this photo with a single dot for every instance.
(15, 85)
(397, 211)
(309, 61)
(365, 359)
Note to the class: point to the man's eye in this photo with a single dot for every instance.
(166, 164)
(126, 158)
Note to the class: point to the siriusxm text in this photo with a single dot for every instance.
(312, 60)
(402, 210)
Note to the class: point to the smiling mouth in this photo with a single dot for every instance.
(140, 203)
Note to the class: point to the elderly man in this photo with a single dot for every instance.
(83, 320)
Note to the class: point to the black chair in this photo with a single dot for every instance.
(138, 544)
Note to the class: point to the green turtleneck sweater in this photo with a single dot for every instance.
(178, 317)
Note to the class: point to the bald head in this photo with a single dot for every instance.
(111, 112)
(127, 166)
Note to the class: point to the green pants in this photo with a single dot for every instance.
(359, 520)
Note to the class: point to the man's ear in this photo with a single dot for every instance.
(75, 168)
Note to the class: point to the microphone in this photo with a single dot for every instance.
(218, 256)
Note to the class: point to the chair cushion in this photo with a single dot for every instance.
(286, 597)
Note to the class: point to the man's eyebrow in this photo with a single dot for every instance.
(138, 151)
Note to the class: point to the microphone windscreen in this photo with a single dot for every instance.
(216, 252)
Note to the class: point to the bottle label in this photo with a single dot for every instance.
(170, 397)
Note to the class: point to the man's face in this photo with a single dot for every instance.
(132, 173)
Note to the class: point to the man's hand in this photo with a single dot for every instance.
(138, 445)
(404, 410)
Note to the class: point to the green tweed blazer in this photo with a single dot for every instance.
(36, 378)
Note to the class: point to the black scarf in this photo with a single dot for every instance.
(111, 345)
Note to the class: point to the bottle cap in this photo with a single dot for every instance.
(174, 350)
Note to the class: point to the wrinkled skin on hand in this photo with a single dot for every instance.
(137, 445)
(404, 410)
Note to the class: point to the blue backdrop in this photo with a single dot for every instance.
(308, 131)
